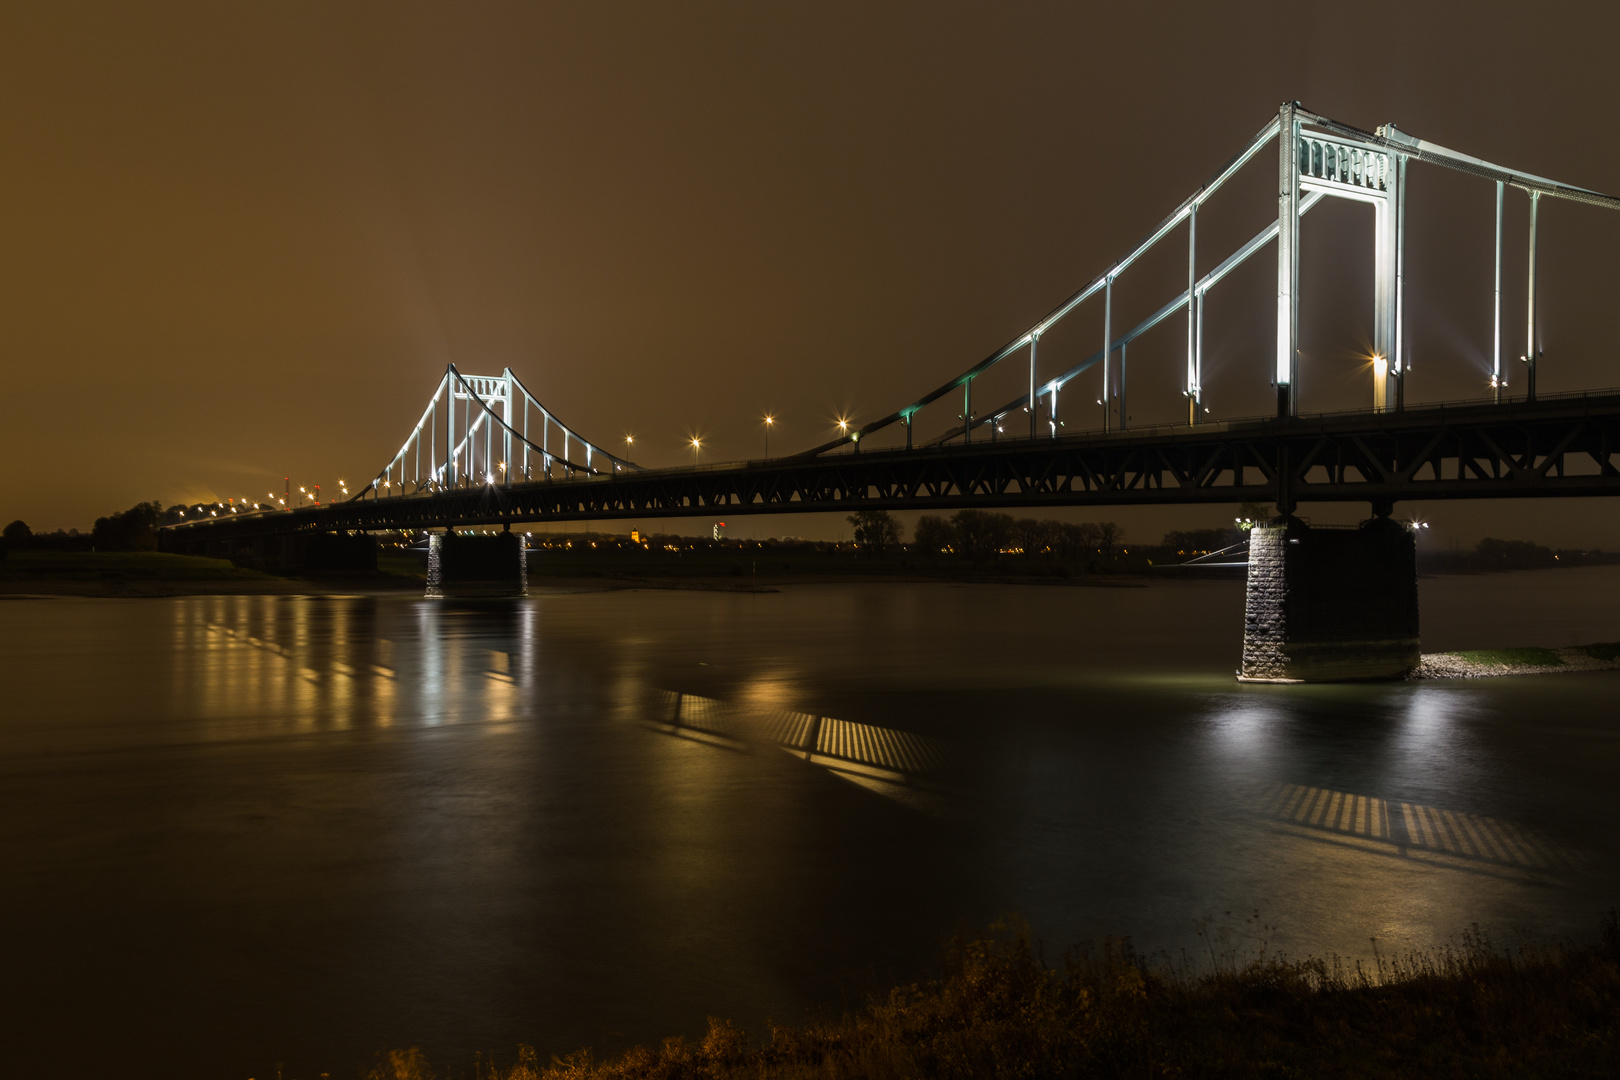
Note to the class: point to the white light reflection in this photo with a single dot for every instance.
(430, 663)
(1429, 726)
(1244, 730)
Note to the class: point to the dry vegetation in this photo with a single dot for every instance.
(1000, 1011)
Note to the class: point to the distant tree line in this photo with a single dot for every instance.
(1492, 555)
(17, 536)
(1194, 542)
(982, 536)
(876, 531)
(976, 536)
(134, 529)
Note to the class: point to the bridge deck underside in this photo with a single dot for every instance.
(1563, 448)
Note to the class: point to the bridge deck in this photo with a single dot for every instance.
(1553, 447)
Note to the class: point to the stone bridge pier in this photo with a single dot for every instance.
(1330, 604)
(470, 564)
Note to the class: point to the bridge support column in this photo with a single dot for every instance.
(1330, 605)
(468, 564)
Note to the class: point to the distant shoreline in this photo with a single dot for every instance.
(44, 588)
(148, 575)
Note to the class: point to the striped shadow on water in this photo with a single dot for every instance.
(1413, 829)
(899, 764)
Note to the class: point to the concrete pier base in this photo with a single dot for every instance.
(465, 564)
(1330, 604)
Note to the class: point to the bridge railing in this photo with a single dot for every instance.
(1508, 407)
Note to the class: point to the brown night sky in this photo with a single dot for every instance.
(241, 240)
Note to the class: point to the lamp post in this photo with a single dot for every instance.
(770, 421)
(697, 444)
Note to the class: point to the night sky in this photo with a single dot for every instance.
(241, 241)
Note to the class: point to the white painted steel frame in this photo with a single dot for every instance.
(1388, 146)
(1176, 217)
(459, 468)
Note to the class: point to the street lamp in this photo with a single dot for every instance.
(697, 444)
(770, 421)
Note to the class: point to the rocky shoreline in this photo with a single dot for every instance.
(1490, 663)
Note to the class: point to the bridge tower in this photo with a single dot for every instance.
(1313, 164)
(486, 452)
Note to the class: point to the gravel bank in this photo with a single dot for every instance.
(1489, 663)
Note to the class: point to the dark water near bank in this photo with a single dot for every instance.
(236, 831)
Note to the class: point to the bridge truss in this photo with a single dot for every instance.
(1556, 447)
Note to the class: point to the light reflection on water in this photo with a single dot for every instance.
(900, 765)
(318, 826)
(1405, 828)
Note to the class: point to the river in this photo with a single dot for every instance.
(242, 831)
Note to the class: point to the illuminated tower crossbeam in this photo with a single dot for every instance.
(1312, 162)
(476, 408)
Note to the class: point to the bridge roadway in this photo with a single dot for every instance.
(1557, 446)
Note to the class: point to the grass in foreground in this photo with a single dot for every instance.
(1000, 1011)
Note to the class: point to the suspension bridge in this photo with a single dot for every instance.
(486, 452)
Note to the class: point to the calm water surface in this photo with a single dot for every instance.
(236, 831)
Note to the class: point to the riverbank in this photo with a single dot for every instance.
(128, 574)
(44, 572)
(113, 574)
(1491, 663)
(1001, 1011)
(773, 564)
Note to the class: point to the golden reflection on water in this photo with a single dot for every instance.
(1405, 828)
(314, 665)
(899, 765)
